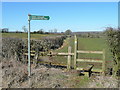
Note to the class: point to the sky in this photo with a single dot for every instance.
(76, 16)
(60, 0)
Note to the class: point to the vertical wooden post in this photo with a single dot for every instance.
(103, 64)
(69, 58)
(75, 51)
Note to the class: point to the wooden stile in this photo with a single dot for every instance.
(88, 68)
(75, 51)
(88, 60)
(69, 58)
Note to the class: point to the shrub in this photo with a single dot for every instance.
(113, 39)
(15, 47)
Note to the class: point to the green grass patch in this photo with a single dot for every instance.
(25, 35)
(79, 82)
(86, 44)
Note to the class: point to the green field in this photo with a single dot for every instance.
(24, 35)
(93, 44)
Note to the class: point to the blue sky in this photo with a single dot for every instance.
(77, 16)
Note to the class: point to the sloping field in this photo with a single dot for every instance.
(87, 44)
(24, 35)
(94, 44)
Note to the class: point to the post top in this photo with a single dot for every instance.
(29, 14)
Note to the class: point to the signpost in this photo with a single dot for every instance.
(33, 17)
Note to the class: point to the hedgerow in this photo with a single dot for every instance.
(16, 47)
(113, 39)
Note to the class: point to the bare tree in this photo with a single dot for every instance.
(55, 30)
(25, 29)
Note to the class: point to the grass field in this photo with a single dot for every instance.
(93, 44)
(24, 35)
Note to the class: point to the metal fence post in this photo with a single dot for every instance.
(29, 66)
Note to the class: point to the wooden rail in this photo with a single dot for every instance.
(90, 60)
(31, 54)
(61, 54)
(94, 52)
(93, 69)
(69, 54)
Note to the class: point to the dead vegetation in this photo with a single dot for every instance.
(15, 75)
(103, 82)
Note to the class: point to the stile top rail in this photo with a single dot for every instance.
(94, 52)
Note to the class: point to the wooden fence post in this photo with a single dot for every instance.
(69, 58)
(75, 51)
(103, 64)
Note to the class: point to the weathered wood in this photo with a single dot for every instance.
(30, 54)
(93, 69)
(90, 60)
(69, 58)
(95, 52)
(79, 68)
(65, 54)
(86, 74)
(96, 70)
(88, 68)
(32, 51)
(61, 54)
(103, 64)
(75, 51)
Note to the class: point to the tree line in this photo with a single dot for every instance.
(40, 31)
